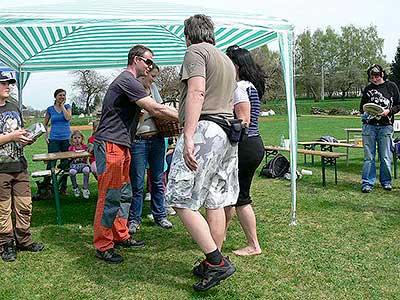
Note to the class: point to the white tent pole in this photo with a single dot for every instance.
(286, 49)
(20, 85)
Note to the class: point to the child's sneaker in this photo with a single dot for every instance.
(77, 193)
(85, 193)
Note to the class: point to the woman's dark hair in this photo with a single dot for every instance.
(248, 69)
(57, 91)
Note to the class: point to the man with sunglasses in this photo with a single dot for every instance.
(115, 134)
(204, 171)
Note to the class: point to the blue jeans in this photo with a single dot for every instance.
(150, 151)
(381, 135)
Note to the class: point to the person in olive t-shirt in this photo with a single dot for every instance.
(114, 136)
(378, 129)
(204, 171)
(15, 190)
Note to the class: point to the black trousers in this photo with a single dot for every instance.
(58, 146)
(251, 154)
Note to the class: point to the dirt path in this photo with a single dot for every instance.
(82, 127)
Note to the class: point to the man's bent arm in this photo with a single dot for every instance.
(157, 110)
(193, 104)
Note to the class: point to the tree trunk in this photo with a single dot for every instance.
(87, 105)
(315, 96)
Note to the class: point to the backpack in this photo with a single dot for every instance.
(277, 167)
(328, 138)
(44, 191)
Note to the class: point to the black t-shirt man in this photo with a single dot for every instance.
(385, 95)
(120, 113)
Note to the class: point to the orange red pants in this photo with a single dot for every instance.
(114, 194)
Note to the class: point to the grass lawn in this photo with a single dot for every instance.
(346, 244)
(303, 106)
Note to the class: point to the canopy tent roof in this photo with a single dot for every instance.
(99, 33)
(91, 34)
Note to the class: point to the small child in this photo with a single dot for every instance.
(79, 165)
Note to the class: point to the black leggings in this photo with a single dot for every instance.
(251, 154)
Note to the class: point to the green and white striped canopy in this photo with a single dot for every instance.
(92, 34)
(98, 34)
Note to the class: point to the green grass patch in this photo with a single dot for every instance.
(345, 245)
(304, 106)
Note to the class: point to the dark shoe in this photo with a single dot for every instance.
(200, 269)
(366, 189)
(9, 252)
(109, 256)
(213, 275)
(164, 223)
(129, 243)
(34, 247)
(36, 197)
(387, 187)
(133, 227)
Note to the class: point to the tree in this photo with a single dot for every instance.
(359, 48)
(395, 67)
(30, 112)
(89, 84)
(270, 63)
(169, 84)
(75, 109)
(336, 63)
(306, 66)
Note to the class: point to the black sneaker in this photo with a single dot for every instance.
(129, 243)
(109, 256)
(366, 189)
(200, 269)
(34, 247)
(9, 252)
(213, 275)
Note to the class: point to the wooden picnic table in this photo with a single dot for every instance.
(55, 156)
(328, 146)
(327, 158)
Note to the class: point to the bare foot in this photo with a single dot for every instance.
(249, 250)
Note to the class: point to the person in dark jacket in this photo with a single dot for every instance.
(378, 128)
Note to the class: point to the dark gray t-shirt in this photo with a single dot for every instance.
(120, 113)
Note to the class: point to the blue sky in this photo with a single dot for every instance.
(311, 14)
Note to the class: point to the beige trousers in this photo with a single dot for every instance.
(15, 196)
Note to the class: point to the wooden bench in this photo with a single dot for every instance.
(327, 146)
(39, 174)
(327, 158)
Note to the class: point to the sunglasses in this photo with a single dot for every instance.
(147, 61)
